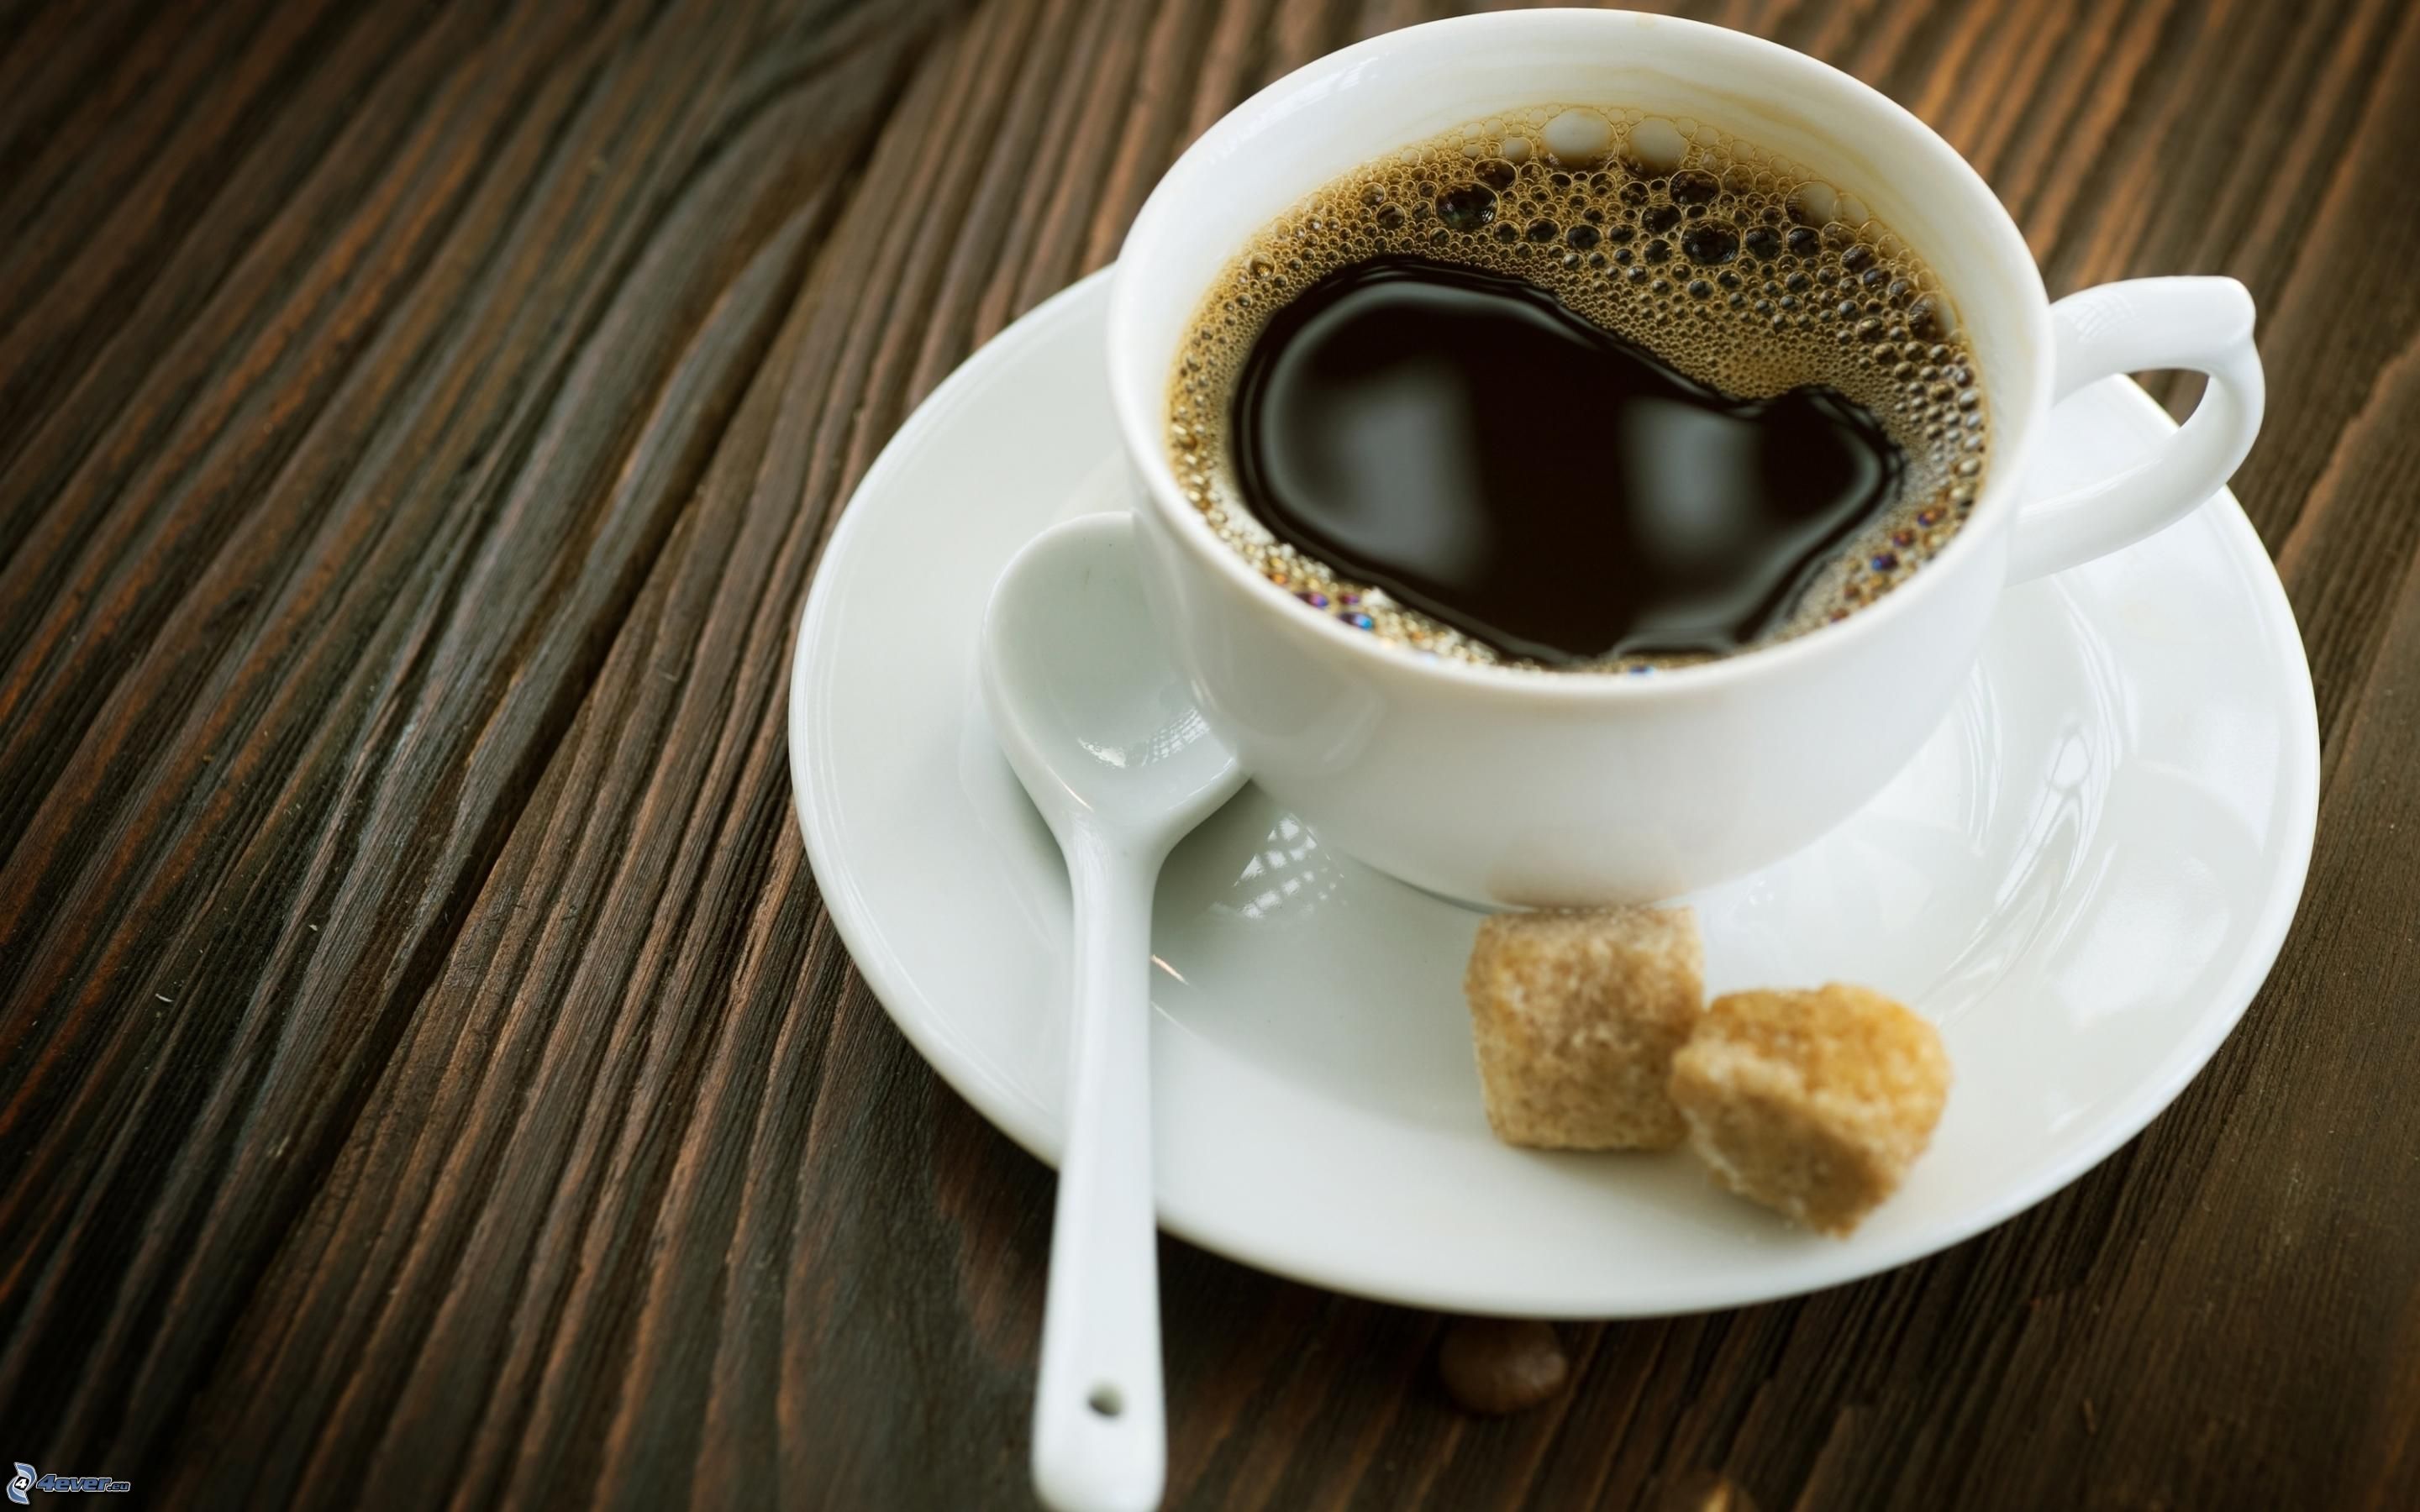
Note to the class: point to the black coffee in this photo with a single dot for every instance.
(1579, 389)
(1387, 423)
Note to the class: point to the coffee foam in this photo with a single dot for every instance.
(1732, 265)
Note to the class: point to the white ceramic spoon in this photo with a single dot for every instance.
(1103, 732)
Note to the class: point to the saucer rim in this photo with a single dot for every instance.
(1019, 1116)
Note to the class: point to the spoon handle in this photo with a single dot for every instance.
(1100, 1440)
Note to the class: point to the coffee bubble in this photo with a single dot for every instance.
(1814, 204)
(1692, 186)
(1580, 138)
(1710, 244)
(1466, 208)
(1656, 147)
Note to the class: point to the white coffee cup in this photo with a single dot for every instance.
(1519, 787)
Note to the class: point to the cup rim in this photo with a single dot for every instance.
(1993, 515)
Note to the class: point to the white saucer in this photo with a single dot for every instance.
(2081, 879)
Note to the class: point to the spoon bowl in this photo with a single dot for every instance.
(1084, 699)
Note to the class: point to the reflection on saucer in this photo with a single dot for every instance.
(1252, 863)
(1288, 870)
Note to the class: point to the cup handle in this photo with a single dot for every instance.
(2131, 327)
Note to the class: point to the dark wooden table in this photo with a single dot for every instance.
(427, 1076)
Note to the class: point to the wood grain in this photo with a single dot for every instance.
(429, 1077)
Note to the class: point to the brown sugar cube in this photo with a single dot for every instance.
(1575, 1015)
(1812, 1103)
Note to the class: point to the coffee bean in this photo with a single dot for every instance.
(1495, 1366)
